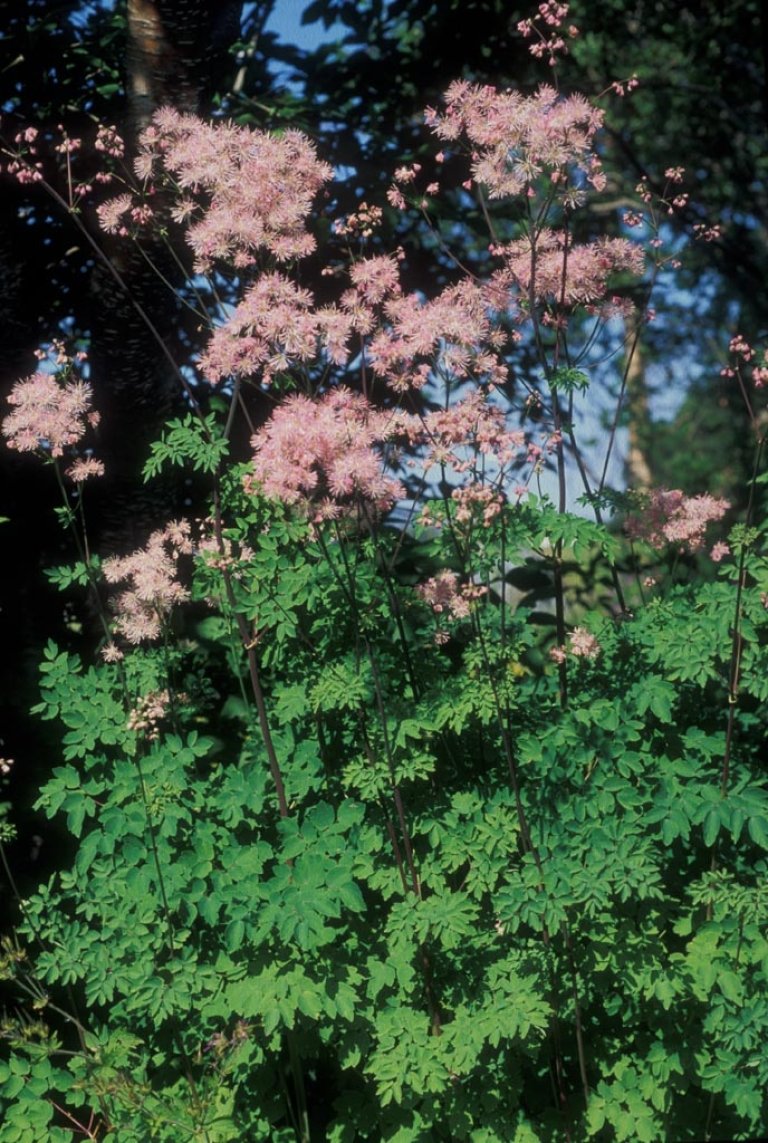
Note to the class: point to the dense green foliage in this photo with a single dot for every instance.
(241, 958)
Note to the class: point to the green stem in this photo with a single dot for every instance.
(302, 1133)
(581, 1052)
(174, 1021)
(248, 643)
(734, 673)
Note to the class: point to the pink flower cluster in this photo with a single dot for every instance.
(471, 439)
(151, 572)
(109, 142)
(48, 414)
(477, 498)
(217, 551)
(447, 598)
(361, 224)
(669, 517)
(454, 328)
(26, 166)
(469, 429)
(443, 594)
(707, 233)
(374, 280)
(548, 268)
(112, 214)
(257, 188)
(84, 468)
(273, 327)
(323, 453)
(744, 352)
(623, 87)
(148, 713)
(515, 139)
(276, 325)
(552, 15)
(581, 644)
(68, 145)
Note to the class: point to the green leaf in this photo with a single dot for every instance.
(569, 380)
(758, 831)
(345, 1001)
(711, 826)
(234, 935)
(731, 986)
(662, 697)
(309, 1003)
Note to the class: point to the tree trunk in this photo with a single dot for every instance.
(174, 48)
(638, 472)
(171, 52)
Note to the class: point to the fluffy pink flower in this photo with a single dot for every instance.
(112, 213)
(84, 468)
(467, 429)
(148, 713)
(669, 517)
(48, 414)
(276, 327)
(516, 138)
(376, 278)
(273, 326)
(255, 188)
(443, 594)
(571, 275)
(470, 441)
(453, 328)
(334, 329)
(154, 590)
(111, 653)
(582, 644)
(395, 198)
(325, 450)
(477, 498)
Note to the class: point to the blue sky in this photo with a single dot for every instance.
(286, 22)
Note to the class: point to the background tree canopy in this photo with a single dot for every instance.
(360, 93)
